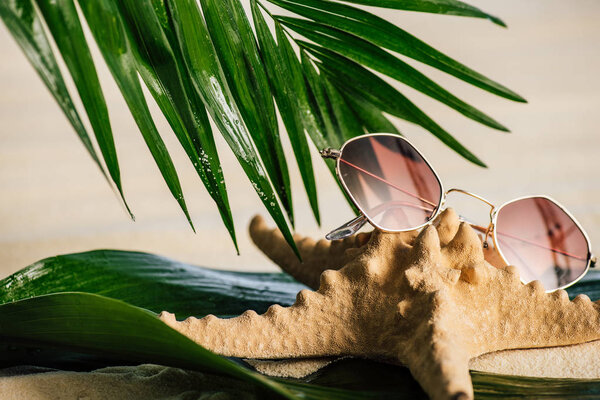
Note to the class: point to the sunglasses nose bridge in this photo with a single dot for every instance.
(490, 227)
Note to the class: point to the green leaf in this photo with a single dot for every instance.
(357, 81)
(165, 74)
(105, 23)
(385, 34)
(287, 85)
(209, 81)
(449, 7)
(24, 23)
(152, 282)
(63, 22)
(349, 125)
(236, 47)
(374, 57)
(103, 326)
(329, 134)
(371, 117)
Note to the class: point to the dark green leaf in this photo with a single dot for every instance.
(385, 34)
(103, 326)
(449, 7)
(287, 84)
(209, 81)
(167, 79)
(63, 22)
(349, 124)
(152, 282)
(24, 23)
(237, 50)
(105, 23)
(374, 57)
(359, 82)
(371, 117)
(330, 134)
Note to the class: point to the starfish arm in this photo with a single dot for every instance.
(302, 330)
(316, 256)
(441, 366)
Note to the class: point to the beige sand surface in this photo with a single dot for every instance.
(53, 200)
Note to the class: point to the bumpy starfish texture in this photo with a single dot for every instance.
(428, 300)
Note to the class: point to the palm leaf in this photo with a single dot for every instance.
(385, 34)
(358, 80)
(288, 88)
(208, 63)
(63, 22)
(163, 69)
(448, 7)
(100, 327)
(374, 57)
(238, 53)
(107, 28)
(25, 25)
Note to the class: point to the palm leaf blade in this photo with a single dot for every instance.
(329, 134)
(209, 81)
(364, 84)
(165, 77)
(106, 26)
(287, 85)
(24, 23)
(372, 118)
(63, 22)
(385, 34)
(237, 50)
(449, 7)
(374, 57)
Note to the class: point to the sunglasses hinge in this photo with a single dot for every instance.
(330, 153)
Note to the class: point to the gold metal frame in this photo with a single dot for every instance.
(358, 222)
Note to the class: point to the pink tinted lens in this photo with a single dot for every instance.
(390, 182)
(542, 241)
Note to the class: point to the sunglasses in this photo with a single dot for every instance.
(397, 190)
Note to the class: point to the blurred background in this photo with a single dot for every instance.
(53, 200)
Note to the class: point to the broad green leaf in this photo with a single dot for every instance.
(385, 34)
(152, 282)
(23, 22)
(357, 81)
(108, 327)
(166, 77)
(105, 23)
(449, 7)
(63, 22)
(287, 85)
(237, 50)
(380, 60)
(209, 80)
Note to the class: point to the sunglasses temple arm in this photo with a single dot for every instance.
(348, 229)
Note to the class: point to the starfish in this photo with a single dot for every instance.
(428, 300)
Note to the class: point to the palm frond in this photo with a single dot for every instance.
(210, 60)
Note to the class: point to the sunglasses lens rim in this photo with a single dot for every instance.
(498, 247)
(356, 203)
